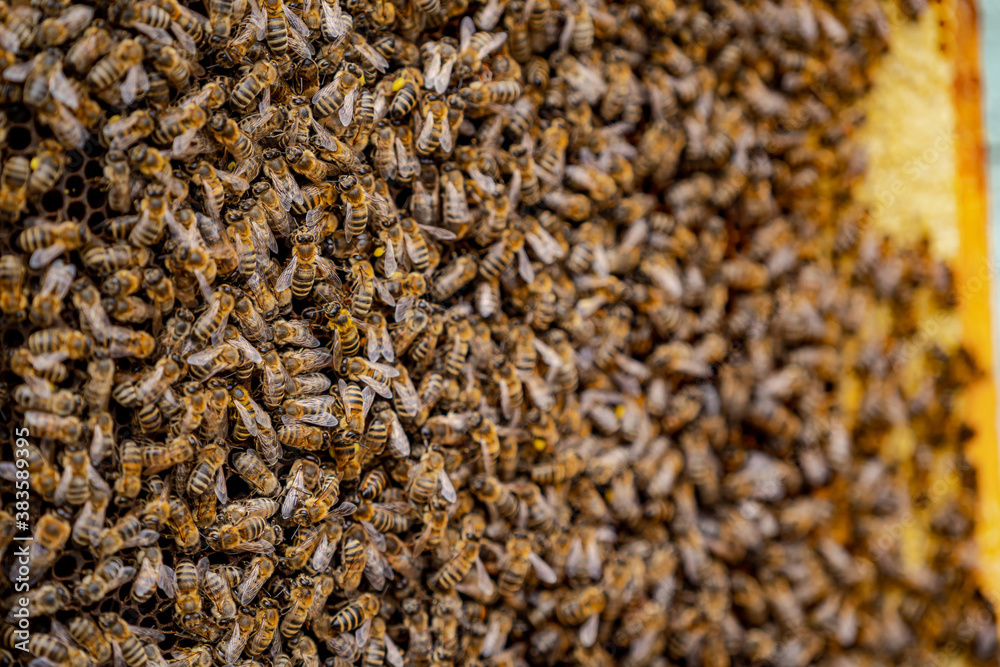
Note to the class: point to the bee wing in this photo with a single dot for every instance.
(403, 306)
(166, 580)
(392, 653)
(524, 267)
(323, 555)
(438, 232)
(432, 70)
(295, 492)
(377, 538)
(234, 645)
(237, 183)
(388, 352)
(62, 90)
(59, 497)
(399, 442)
(389, 258)
(44, 362)
(326, 419)
(543, 570)
(505, 399)
(346, 113)
(329, 271)
(344, 509)
(96, 481)
(136, 82)
(363, 633)
(44, 256)
(98, 450)
(250, 584)
(9, 40)
(257, 547)
(498, 40)
(286, 188)
(514, 189)
(549, 355)
(592, 559)
(446, 139)
(184, 40)
(116, 651)
(369, 53)
(466, 29)
(143, 539)
(383, 293)
(447, 488)
(380, 388)
(205, 356)
(427, 129)
(444, 77)
(250, 353)
(58, 278)
(285, 279)
(298, 43)
(333, 26)
(157, 34)
(367, 398)
(258, 19)
(19, 72)
(265, 100)
(544, 245)
(248, 420)
(221, 491)
(588, 631)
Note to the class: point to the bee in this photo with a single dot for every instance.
(258, 571)
(340, 95)
(495, 494)
(520, 558)
(301, 597)
(375, 375)
(187, 600)
(261, 77)
(454, 277)
(13, 200)
(85, 632)
(106, 577)
(186, 534)
(45, 600)
(357, 615)
(152, 574)
(46, 167)
(253, 470)
(14, 296)
(435, 131)
(454, 570)
(430, 477)
(218, 592)
(265, 626)
(125, 56)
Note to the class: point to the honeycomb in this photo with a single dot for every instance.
(594, 358)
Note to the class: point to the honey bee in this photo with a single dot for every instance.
(14, 298)
(257, 572)
(253, 470)
(152, 574)
(259, 79)
(301, 597)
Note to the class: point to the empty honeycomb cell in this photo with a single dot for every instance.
(93, 169)
(74, 186)
(68, 566)
(76, 210)
(95, 198)
(52, 201)
(18, 138)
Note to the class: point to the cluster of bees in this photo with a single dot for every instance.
(448, 333)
